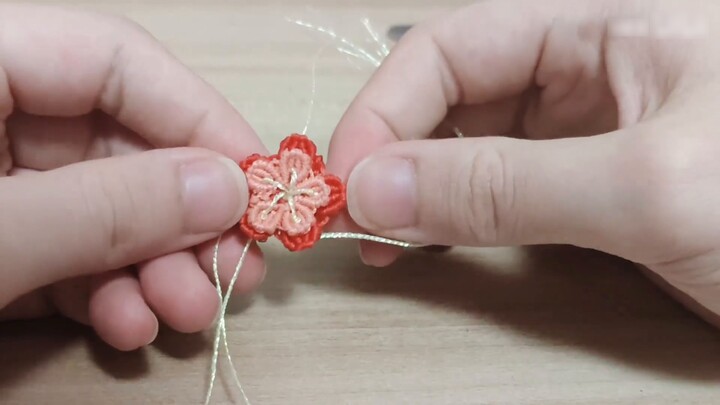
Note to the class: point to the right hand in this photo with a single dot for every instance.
(590, 123)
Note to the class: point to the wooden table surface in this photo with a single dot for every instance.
(550, 325)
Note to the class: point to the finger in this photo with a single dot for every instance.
(118, 312)
(497, 191)
(233, 242)
(44, 143)
(19, 171)
(372, 254)
(104, 62)
(493, 118)
(378, 255)
(68, 297)
(464, 121)
(28, 306)
(450, 68)
(71, 298)
(179, 292)
(106, 214)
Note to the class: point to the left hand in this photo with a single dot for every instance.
(97, 124)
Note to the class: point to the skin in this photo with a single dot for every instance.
(585, 124)
(589, 123)
(89, 106)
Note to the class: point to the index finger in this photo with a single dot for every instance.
(479, 54)
(58, 62)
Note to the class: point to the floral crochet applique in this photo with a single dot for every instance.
(291, 197)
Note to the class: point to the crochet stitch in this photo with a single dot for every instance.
(291, 196)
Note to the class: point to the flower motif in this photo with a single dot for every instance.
(291, 197)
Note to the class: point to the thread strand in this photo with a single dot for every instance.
(370, 238)
(220, 321)
(220, 329)
(313, 90)
(344, 46)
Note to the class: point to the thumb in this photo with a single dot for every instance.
(107, 214)
(494, 191)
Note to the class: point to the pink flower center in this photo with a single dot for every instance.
(287, 192)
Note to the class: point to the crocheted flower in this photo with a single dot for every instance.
(291, 197)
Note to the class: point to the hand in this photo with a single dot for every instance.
(117, 184)
(594, 123)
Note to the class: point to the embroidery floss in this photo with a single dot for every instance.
(220, 330)
(370, 56)
(347, 47)
(369, 238)
(313, 74)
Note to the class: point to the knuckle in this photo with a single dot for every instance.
(488, 193)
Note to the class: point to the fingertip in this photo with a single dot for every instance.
(241, 181)
(382, 193)
(177, 289)
(253, 270)
(371, 253)
(377, 255)
(118, 312)
(358, 134)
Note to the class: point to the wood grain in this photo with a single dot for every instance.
(549, 325)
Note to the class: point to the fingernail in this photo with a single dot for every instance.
(382, 193)
(155, 335)
(214, 194)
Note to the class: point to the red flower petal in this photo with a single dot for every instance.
(245, 164)
(300, 242)
(338, 197)
(302, 142)
(337, 201)
(250, 232)
(322, 215)
(318, 165)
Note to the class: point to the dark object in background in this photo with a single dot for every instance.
(436, 248)
(397, 31)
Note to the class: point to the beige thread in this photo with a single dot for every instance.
(287, 193)
(370, 238)
(347, 48)
(220, 330)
